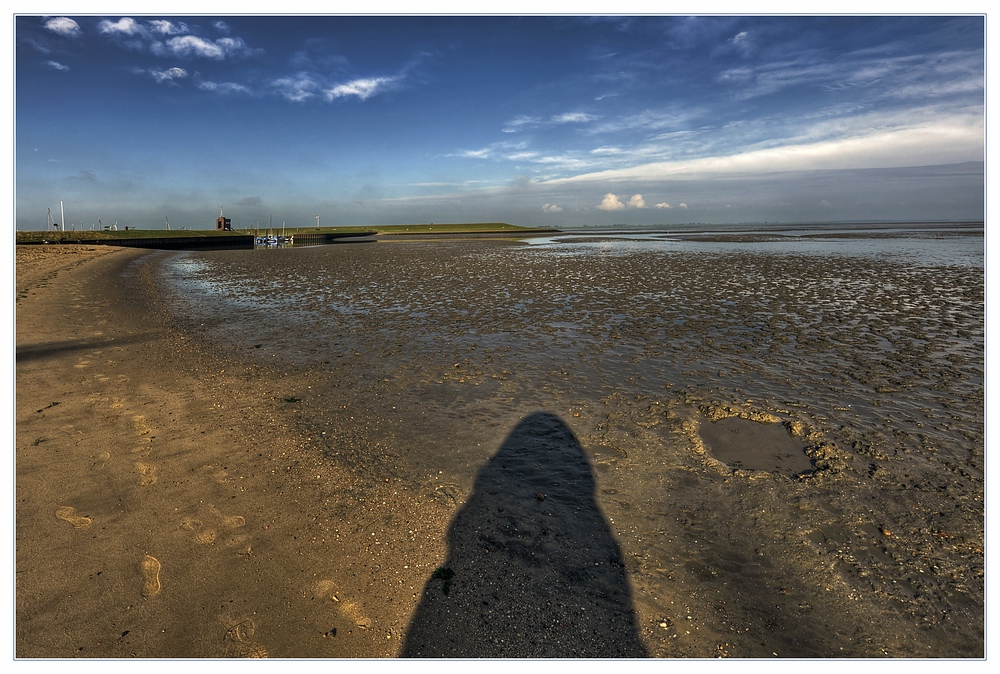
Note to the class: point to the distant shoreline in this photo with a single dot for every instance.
(136, 234)
(214, 238)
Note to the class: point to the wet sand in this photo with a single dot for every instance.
(177, 497)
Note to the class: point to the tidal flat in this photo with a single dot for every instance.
(414, 361)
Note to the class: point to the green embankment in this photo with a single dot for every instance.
(107, 235)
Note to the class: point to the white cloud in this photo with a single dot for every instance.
(191, 45)
(742, 42)
(501, 150)
(164, 27)
(663, 204)
(573, 117)
(224, 87)
(670, 119)
(520, 122)
(552, 208)
(611, 203)
(168, 75)
(64, 26)
(946, 141)
(182, 44)
(682, 205)
(123, 26)
(363, 88)
(296, 88)
(232, 45)
(526, 121)
(475, 154)
(55, 65)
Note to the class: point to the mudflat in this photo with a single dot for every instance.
(179, 494)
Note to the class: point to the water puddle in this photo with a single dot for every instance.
(753, 445)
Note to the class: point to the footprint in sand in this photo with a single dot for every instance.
(230, 521)
(147, 472)
(327, 589)
(353, 613)
(205, 536)
(208, 535)
(241, 632)
(141, 427)
(68, 513)
(252, 651)
(151, 576)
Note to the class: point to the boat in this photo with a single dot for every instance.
(270, 240)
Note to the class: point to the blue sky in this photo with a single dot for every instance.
(558, 120)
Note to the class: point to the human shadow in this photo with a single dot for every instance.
(30, 352)
(533, 569)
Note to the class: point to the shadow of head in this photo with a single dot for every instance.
(533, 569)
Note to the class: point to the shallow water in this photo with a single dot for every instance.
(867, 344)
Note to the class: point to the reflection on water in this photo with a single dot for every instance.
(926, 245)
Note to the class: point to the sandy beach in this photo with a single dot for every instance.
(177, 498)
(164, 509)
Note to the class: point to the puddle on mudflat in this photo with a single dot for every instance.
(753, 445)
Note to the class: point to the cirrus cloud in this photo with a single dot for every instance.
(573, 118)
(224, 87)
(363, 88)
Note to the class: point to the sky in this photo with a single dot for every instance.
(559, 120)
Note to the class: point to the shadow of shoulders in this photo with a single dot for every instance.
(533, 569)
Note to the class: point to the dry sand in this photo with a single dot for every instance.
(162, 510)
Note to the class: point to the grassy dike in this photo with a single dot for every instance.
(29, 237)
